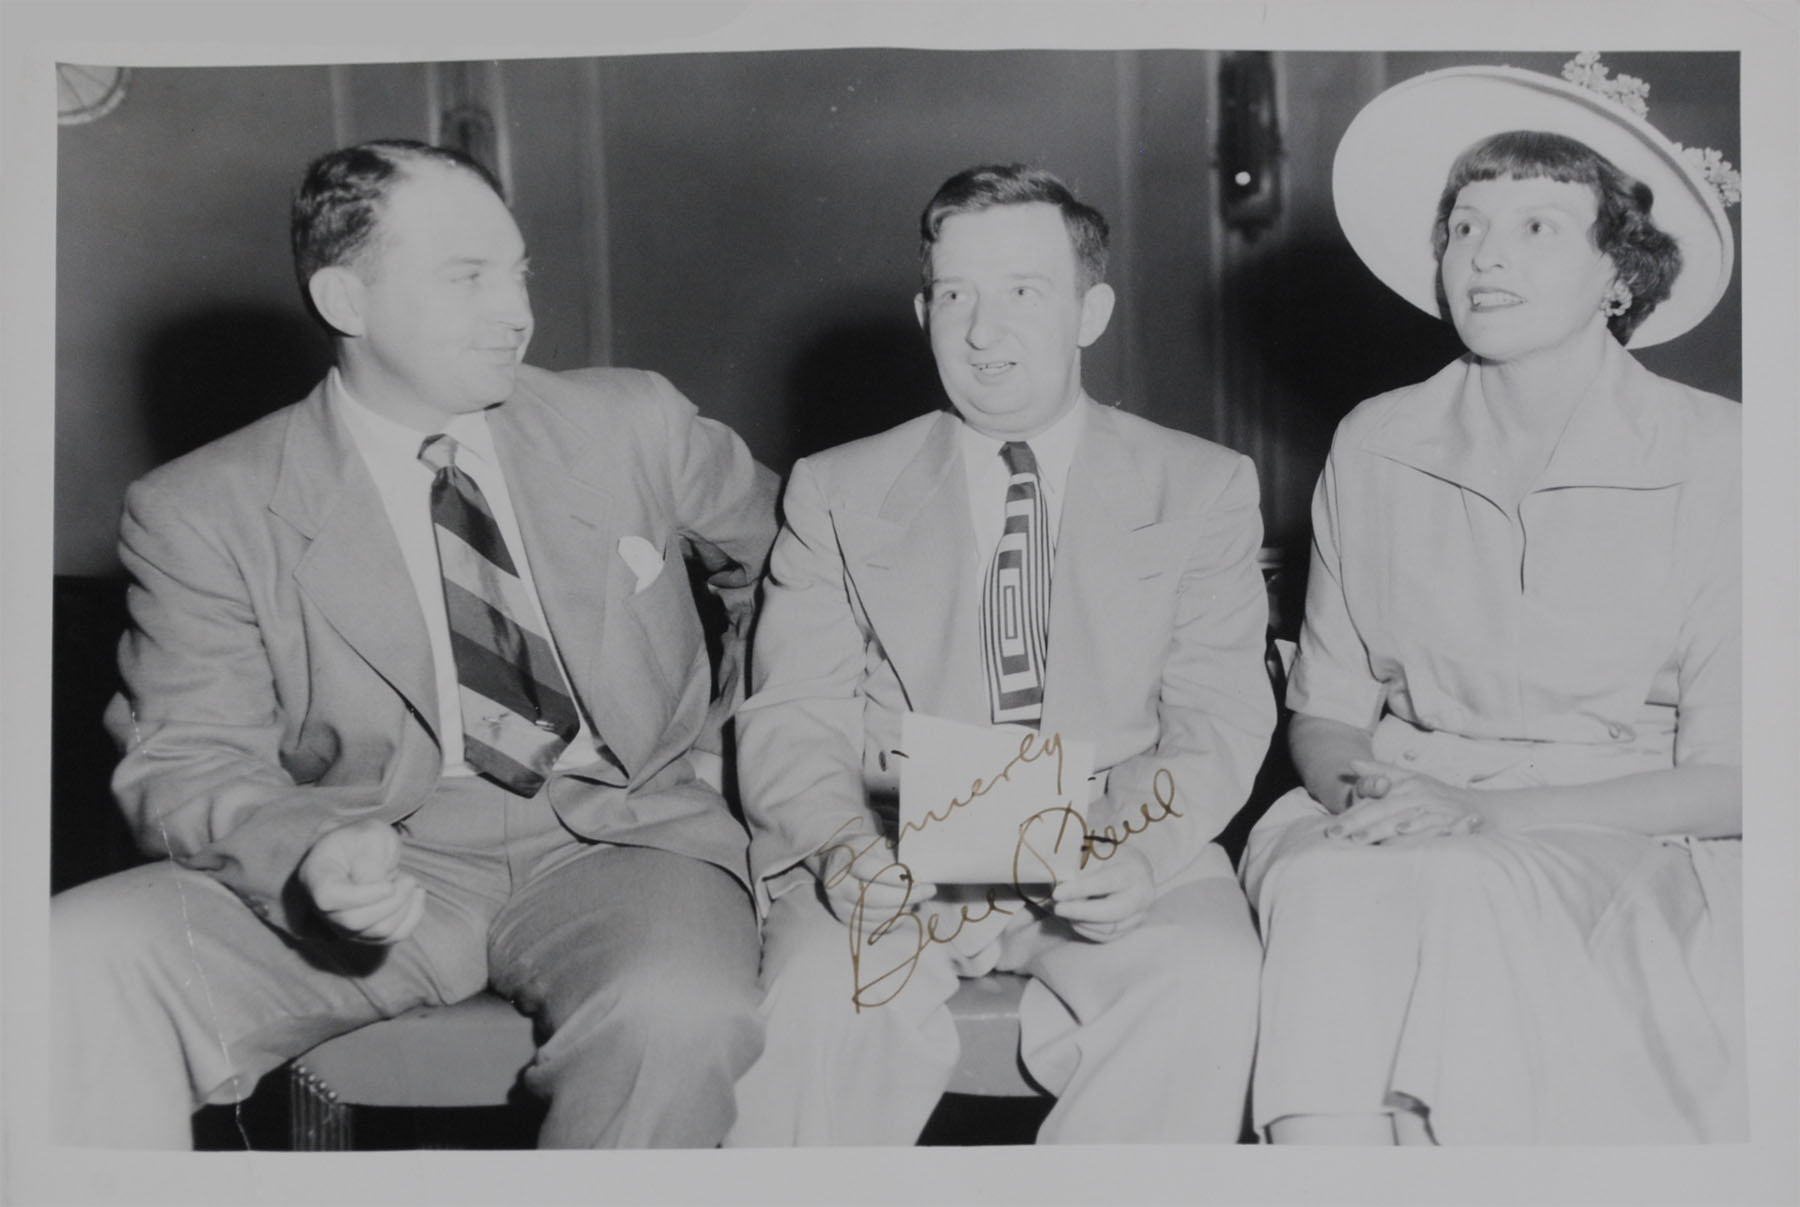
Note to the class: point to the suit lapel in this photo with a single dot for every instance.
(913, 567)
(325, 491)
(1107, 542)
(572, 520)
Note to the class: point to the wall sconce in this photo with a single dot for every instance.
(1249, 147)
(86, 94)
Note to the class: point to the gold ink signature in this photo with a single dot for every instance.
(1162, 787)
(909, 935)
(1098, 845)
(865, 936)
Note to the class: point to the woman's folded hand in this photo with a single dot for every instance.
(1389, 803)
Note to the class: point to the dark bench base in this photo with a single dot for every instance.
(265, 1122)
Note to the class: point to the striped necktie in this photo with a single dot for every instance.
(1015, 603)
(517, 713)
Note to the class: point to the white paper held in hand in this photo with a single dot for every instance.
(990, 804)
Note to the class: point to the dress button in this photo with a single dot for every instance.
(1615, 731)
(1409, 756)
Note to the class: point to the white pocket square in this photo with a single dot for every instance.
(645, 560)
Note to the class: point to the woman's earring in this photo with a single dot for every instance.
(1617, 300)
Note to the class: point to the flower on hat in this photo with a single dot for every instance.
(1631, 94)
(1627, 91)
(1712, 166)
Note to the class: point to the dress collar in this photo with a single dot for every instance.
(1615, 436)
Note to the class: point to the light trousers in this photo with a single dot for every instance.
(1144, 1038)
(639, 967)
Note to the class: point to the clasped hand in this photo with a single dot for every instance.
(353, 875)
(1108, 897)
(1390, 804)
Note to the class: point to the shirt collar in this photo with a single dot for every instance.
(394, 443)
(1054, 447)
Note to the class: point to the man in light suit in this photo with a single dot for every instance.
(417, 700)
(882, 598)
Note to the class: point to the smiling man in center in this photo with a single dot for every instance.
(1033, 558)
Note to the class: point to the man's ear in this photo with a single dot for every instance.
(919, 310)
(1096, 312)
(338, 294)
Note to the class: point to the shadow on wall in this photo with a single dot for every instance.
(1310, 333)
(213, 370)
(856, 379)
(1323, 334)
(88, 834)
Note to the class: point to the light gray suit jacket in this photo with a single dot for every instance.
(278, 679)
(1157, 631)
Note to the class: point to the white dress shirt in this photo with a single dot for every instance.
(391, 451)
(988, 477)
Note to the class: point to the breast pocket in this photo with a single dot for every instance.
(662, 604)
(1599, 579)
(1145, 585)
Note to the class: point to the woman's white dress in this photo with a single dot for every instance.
(1571, 984)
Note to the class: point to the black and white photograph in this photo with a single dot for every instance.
(789, 603)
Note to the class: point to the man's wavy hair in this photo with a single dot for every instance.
(1647, 259)
(336, 213)
(989, 185)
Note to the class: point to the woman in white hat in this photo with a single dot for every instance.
(1505, 908)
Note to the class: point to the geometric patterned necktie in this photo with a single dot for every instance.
(1015, 601)
(518, 715)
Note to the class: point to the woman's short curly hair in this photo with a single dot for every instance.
(1647, 259)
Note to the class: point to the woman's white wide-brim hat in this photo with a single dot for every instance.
(1395, 158)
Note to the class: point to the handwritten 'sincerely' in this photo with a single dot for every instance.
(966, 789)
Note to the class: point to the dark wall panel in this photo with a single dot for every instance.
(177, 316)
(765, 207)
(746, 224)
